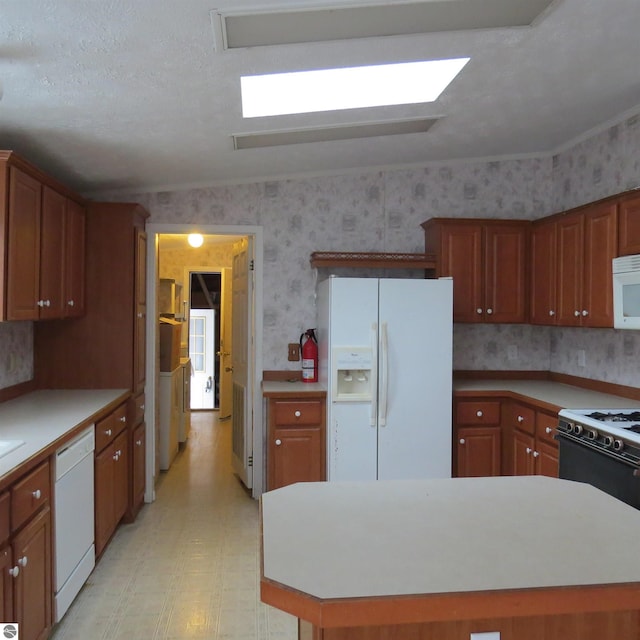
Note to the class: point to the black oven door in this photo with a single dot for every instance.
(582, 463)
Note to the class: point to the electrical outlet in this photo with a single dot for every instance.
(294, 352)
(487, 635)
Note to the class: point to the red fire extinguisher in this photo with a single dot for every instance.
(309, 350)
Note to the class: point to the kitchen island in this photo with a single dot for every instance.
(530, 557)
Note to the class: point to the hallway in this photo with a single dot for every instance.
(189, 566)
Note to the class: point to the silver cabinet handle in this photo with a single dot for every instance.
(520, 419)
(14, 572)
(489, 312)
(139, 443)
(123, 419)
(70, 303)
(141, 407)
(552, 312)
(478, 310)
(23, 561)
(548, 429)
(585, 312)
(37, 494)
(107, 432)
(278, 442)
(529, 449)
(536, 454)
(297, 414)
(576, 313)
(462, 441)
(479, 414)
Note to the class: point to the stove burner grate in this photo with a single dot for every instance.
(634, 416)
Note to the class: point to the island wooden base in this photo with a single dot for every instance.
(616, 625)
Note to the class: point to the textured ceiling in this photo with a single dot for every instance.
(128, 95)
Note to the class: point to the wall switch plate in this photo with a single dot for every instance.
(487, 635)
(294, 352)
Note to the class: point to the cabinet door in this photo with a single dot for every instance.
(523, 458)
(52, 246)
(543, 273)
(74, 266)
(570, 269)
(139, 338)
(6, 585)
(505, 252)
(546, 463)
(120, 476)
(477, 452)
(23, 256)
(32, 586)
(600, 247)
(104, 507)
(629, 226)
(138, 466)
(461, 258)
(295, 456)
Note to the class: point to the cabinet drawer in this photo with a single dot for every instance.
(524, 418)
(4, 518)
(546, 424)
(108, 428)
(29, 494)
(295, 412)
(477, 412)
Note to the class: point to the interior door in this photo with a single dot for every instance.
(241, 361)
(226, 366)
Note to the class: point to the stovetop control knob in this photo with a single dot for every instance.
(577, 429)
(607, 441)
(618, 445)
(592, 434)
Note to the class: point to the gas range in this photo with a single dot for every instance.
(614, 431)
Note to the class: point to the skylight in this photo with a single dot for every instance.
(347, 88)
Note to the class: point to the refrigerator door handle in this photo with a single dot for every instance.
(374, 375)
(384, 374)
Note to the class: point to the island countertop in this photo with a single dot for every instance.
(414, 542)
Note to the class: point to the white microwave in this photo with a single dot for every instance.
(626, 292)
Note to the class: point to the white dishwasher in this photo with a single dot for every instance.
(74, 518)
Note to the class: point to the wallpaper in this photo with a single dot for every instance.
(382, 211)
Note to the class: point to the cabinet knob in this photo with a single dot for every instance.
(536, 454)
(461, 441)
(576, 313)
(552, 312)
(548, 429)
(297, 414)
(520, 419)
(123, 419)
(479, 311)
(141, 407)
(529, 449)
(37, 494)
(14, 572)
(107, 432)
(23, 561)
(585, 313)
(140, 315)
(70, 303)
(489, 312)
(115, 456)
(139, 443)
(278, 442)
(479, 414)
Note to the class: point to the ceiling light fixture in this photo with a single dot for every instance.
(195, 240)
(347, 88)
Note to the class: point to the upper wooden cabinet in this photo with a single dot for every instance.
(544, 256)
(587, 243)
(629, 225)
(41, 244)
(487, 260)
(112, 331)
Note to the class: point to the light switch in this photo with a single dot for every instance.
(486, 635)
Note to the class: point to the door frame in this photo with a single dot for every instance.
(255, 348)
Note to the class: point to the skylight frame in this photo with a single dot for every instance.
(336, 89)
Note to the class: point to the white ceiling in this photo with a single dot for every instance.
(133, 95)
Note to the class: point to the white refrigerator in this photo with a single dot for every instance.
(385, 356)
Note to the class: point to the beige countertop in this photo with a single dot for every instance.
(297, 388)
(352, 540)
(562, 396)
(43, 418)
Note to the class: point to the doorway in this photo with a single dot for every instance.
(254, 340)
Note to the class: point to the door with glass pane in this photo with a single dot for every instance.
(201, 347)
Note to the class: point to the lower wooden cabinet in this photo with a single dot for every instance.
(26, 556)
(111, 476)
(534, 451)
(296, 441)
(477, 452)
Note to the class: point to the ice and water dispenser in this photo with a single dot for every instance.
(353, 374)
